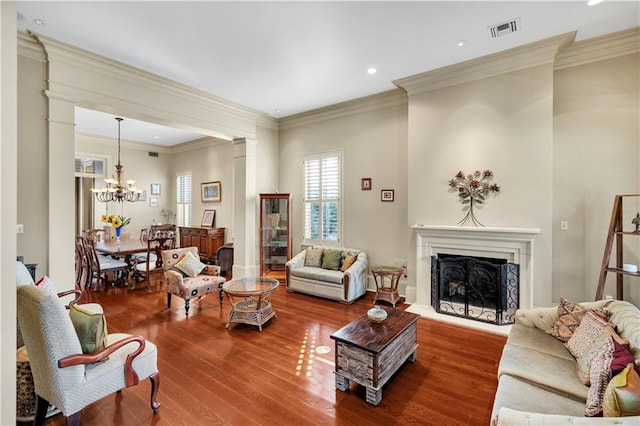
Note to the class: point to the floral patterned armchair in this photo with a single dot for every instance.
(193, 284)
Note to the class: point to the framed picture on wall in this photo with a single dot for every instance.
(142, 196)
(155, 189)
(365, 184)
(386, 195)
(208, 219)
(153, 202)
(211, 192)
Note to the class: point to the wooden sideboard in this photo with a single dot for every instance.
(208, 241)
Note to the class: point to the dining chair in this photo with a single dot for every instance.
(100, 267)
(65, 376)
(152, 261)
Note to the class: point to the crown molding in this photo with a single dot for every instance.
(386, 99)
(30, 48)
(595, 49)
(112, 142)
(267, 122)
(206, 142)
(518, 58)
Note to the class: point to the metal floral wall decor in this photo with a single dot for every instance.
(473, 189)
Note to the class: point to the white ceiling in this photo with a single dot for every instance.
(283, 58)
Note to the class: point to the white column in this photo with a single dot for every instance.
(8, 203)
(61, 218)
(244, 208)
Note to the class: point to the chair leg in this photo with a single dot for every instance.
(155, 385)
(220, 297)
(168, 300)
(74, 419)
(42, 405)
(186, 307)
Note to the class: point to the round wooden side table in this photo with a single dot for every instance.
(386, 278)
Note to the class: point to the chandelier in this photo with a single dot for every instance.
(115, 190)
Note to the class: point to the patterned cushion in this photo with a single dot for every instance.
(91, 328)
(622, 396)
(313, 257)
(587, 332)
(331, 259)
(190, 265)
(569, 316)
(348, 261)
(621, 358)
(600, 376)
(583, 363)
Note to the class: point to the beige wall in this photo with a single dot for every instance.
(373, 145)
(208, 160)
(32, 163)
(595, 156)
(502, 123)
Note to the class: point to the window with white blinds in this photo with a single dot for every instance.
(183, 202)
(322, 189)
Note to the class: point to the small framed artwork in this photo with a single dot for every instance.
(208, 219)
(386, 195)
(142, 196)
(153, 202)
(155, 189)
(211, 192)
(365, 184)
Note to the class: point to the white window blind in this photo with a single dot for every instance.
(183, 202)
(322, 189)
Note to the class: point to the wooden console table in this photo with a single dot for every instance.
(370, 353)
(208, 241)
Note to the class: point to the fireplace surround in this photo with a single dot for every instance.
(515, 245)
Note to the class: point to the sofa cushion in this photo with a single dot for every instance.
(331, 259)
(569, 317)
(543, 370)
(599, 376)
(318, 274)
(313, 257)
(536, 339)
(190, 265)
(622, 396)
(348, 261)
(590, 328)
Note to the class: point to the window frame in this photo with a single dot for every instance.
(321, 241)
(179, 212)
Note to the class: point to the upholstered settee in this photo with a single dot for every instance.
(320, 271)
(538, 381)
(189, 280)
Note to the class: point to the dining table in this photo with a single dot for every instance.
(125, 248)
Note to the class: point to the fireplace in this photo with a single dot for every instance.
(475, 288)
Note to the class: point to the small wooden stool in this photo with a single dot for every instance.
(387, 293)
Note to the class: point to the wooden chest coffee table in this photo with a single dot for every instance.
(369, 353)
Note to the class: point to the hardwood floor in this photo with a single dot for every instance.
(241, 376)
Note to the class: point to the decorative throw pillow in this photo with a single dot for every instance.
(47, 284)
(190, 265)
(600, 376)
(91, 328)
(583, 363)
(589, 329)
(348, 261)
(621, 358)
(331, 259)
(622, 396)
(313, 257)
(569, 316)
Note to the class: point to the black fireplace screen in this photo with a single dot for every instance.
(476, 288)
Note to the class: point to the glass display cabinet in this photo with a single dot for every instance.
(275, 234)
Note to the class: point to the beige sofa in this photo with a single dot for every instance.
(344, 286)
(537, 380)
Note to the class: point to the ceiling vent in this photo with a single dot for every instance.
(153, 154)
(505, 28)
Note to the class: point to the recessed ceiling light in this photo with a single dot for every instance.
(461, 43)
(156, 137)
(277, 109)
(39, 21)
(593, 2)
(372, 71)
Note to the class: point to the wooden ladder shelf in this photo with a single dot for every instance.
(615, 233)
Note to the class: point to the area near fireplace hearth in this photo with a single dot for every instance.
(514, 245)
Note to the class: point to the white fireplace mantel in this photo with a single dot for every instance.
(512, 244)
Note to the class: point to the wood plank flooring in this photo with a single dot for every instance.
(241, 376)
